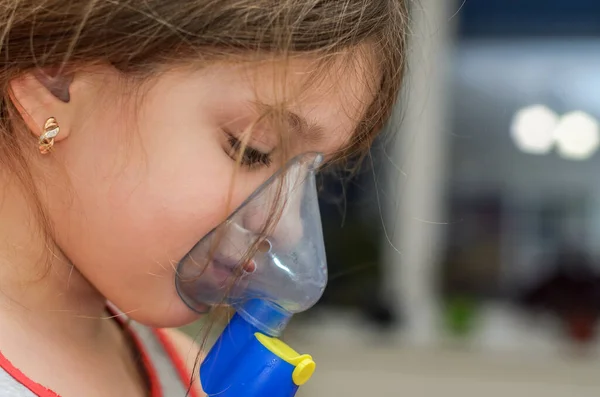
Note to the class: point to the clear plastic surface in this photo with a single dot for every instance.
(280, 222)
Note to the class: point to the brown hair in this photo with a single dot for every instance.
(139, 36)
(136, 36)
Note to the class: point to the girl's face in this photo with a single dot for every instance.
(145, 174)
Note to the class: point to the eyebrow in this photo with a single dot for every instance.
(308, 129)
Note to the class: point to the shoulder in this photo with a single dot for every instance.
(187, 351)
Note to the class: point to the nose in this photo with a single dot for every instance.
(279, 212)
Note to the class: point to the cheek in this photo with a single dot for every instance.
(132, 214)
(139, 195)
(136, 212)
(146, 192)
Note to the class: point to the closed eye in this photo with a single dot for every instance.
(250, 157)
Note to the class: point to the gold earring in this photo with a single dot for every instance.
(51, 130)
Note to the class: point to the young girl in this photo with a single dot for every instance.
(131, 128)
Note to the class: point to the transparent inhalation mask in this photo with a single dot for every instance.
(280, 225)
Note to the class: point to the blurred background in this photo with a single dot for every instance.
(465, 256)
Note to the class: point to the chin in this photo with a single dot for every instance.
(171, 314)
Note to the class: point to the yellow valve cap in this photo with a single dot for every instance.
(304, 371)
(303, 363)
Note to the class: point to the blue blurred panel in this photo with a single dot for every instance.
(509, 18)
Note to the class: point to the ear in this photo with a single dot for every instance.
(40, 95)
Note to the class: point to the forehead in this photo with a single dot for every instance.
(332, 95)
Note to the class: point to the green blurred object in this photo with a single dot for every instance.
(461, 314)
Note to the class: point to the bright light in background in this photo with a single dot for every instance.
(533, 128)
(537, 129)
(577, 136)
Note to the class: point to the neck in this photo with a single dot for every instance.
(39, 288)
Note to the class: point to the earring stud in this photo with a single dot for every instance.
(51, 130)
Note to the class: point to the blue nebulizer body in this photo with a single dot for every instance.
(266, 261)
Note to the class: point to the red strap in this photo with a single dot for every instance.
(177, 360)
(155, 388)
(20, 377)
(41, 391)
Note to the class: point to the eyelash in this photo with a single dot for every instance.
(251, 157)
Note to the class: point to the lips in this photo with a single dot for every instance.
(220, 273)
(223, 273)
